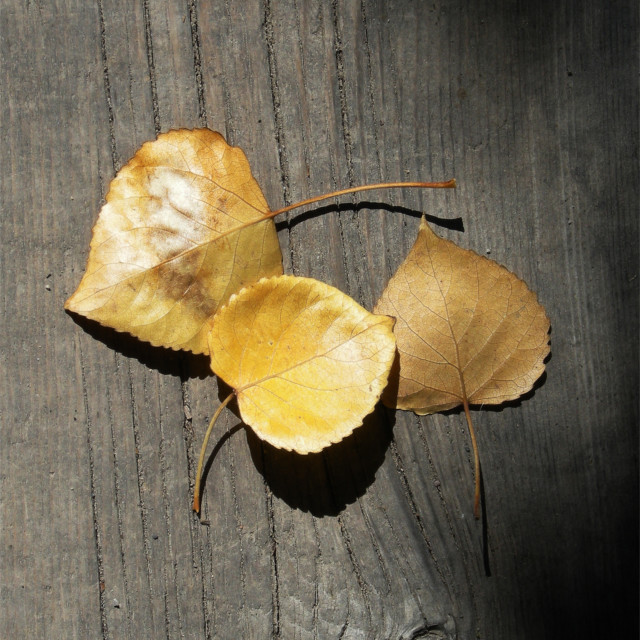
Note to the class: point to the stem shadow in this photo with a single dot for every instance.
(455, 224)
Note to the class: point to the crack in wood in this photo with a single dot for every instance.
(95, 516)
(197, 61)
(152, 69)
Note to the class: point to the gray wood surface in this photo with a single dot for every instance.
(533, 107)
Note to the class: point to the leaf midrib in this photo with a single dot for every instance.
(278, 374)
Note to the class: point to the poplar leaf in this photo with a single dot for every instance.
(468, 331)
(306, 362)
(182, 229)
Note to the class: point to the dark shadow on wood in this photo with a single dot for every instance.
(224, 390)
(325, 483)
(455, 224)
(181, 364)
(390, 393)
(485, 527)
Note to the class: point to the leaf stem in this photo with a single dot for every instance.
(449, 184)
(476, 458)
(196, 492)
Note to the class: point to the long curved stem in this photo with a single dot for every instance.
(449, 184)
(196, 492)
(476, 459)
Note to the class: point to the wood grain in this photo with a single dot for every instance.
(532, 107)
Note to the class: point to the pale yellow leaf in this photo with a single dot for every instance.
(175, 240)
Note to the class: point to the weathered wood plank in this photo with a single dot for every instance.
(48, 559)
(533, 109)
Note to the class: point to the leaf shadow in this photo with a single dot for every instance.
(454, 224)
(181, 364)
(324, 483)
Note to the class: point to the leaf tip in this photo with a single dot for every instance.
(424, 227)
(71, 304)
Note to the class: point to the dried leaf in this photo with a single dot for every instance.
(307, 363)
(467, 329)
(468, 332)
(175, 239)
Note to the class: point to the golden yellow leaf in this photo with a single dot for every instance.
(467, 329)
(307, 363)
(175, 239)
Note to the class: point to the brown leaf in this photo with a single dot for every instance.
(468, 330)
(307, 363)
(175, 239)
